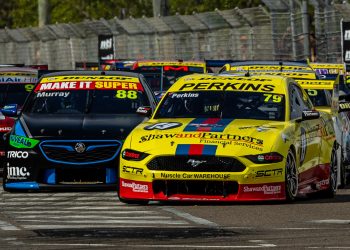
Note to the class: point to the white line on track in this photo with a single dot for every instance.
(160, 246)
(91, 217)
(7, 226)
(126, 221)
(331, 221)
(190, 217)
(33, 227)
(41, 212)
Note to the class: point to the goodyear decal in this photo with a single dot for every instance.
(208, 124)
(22, 142)
(195, 149)
(88, 85)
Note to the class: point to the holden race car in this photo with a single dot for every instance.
(71, 129)
(230, 138)
(15, 85)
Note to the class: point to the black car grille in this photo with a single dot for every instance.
(94, 152)
(196, 164)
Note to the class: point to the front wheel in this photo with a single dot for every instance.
(291, 177)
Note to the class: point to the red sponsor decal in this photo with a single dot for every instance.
(265, 191)
(175, 68)
(130, 189)
(88, 85)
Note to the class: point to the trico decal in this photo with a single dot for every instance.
(22, 142)
(229, 86)
(270, 172)
(163, 125)
(194, 163)
(132, 170)
(266, 189)
(17, 154)
(17, 173)
(137, 188)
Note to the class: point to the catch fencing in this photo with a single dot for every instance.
(277, 30)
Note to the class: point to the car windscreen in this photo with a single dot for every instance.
(320, 97)
(219, 104)
(93, 101)
(14, 93)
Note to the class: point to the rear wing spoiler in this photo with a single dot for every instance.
(302, 74)
(316, 84)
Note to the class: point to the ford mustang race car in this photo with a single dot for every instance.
(71, 129)
(230, 138)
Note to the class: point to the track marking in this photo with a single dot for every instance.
(7, 226)
(331, 221)
(190, 217)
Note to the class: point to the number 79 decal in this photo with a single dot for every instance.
(273, 98)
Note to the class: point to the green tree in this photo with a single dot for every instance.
(24, 13)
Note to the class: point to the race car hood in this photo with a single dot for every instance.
(222, 136)
(80, 126)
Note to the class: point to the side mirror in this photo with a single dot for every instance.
(10, 110)
(343, 107)
(310, 115)
(144, 110)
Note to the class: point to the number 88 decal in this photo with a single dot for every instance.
(130, 94)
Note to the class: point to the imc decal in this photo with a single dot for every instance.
(17, 173)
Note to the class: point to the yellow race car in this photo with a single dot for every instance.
(229, 138)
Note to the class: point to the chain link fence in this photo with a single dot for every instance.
(281, 30)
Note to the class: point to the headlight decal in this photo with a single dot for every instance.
(272, 157)
(133, 155)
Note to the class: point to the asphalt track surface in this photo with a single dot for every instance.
(98, 220)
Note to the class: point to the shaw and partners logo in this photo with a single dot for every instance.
(137, 188)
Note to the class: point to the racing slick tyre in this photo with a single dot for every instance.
(291, 177)
(331, 190)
